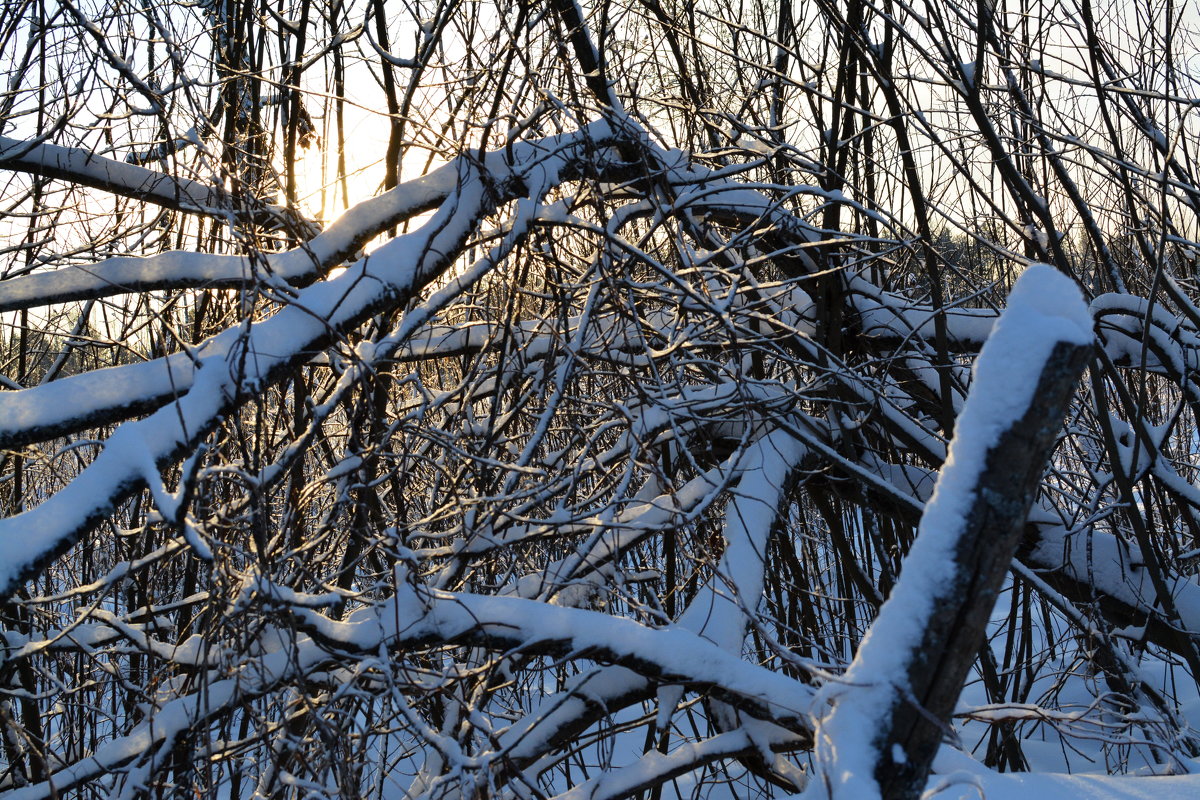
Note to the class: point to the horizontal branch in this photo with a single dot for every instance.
(184, 269)
(85, 168)
(419, 619)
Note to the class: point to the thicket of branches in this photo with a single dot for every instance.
(447, 399)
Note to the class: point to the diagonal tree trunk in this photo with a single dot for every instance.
(910, 668)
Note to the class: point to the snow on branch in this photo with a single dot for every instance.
(908, 670)
(183, 269)
(250, 356)
(117, 393)
(654, 769)
(83, 167)
(418, 618)
(758, 480)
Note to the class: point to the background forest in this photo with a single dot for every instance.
(488, 399)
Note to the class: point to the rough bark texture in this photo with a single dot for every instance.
(985, 549)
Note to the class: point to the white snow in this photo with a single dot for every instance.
(1045, 307)
(246, 355)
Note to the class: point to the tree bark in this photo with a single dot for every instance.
(983, 552)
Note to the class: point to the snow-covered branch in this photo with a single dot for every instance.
(910, 667)
(85, 168)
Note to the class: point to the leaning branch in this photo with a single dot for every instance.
(389, 278)
(910, 668)
(179, 269)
